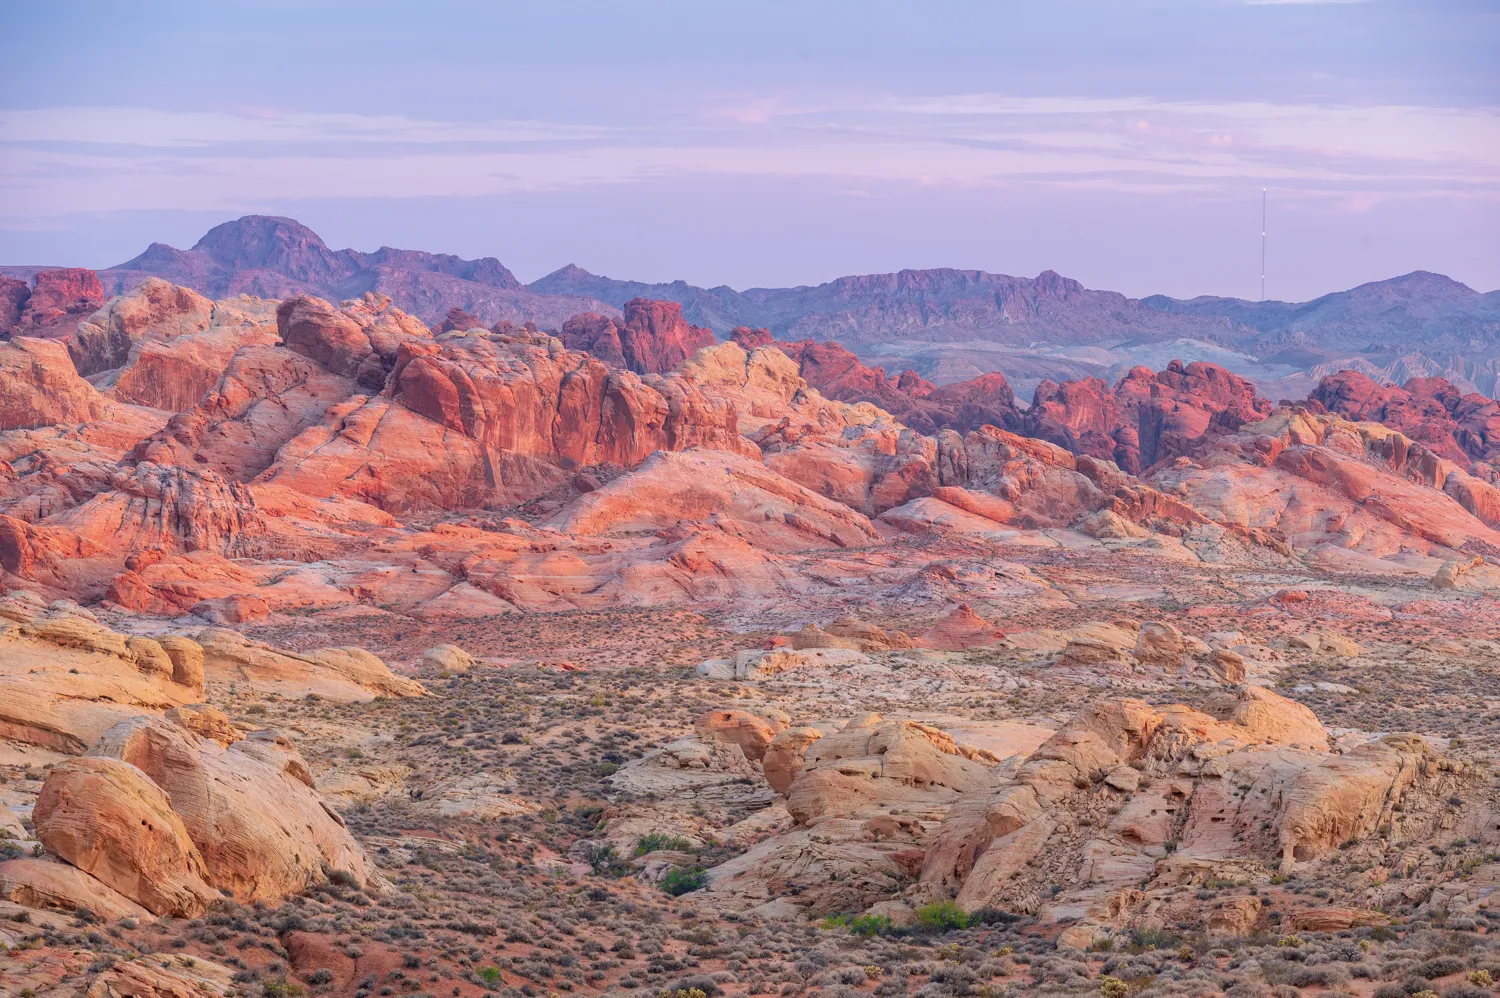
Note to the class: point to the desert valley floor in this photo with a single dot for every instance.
(343, 654)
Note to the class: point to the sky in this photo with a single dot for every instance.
(1125, 143)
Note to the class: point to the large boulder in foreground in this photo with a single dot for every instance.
(250, 810)
(109, 819)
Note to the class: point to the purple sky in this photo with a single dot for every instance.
(1122, 143)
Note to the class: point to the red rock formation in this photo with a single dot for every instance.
(960, 628)
(39, 386)
(357, 341)
(521, 397)
(155, 310)
(1147, 417)
(458, 319)
(594, 334)
(13, 296)
(652, 338)
(58, 300)
(265, 397)
(1461, 428)
(751, 338)
(655, 339)
(964, 406)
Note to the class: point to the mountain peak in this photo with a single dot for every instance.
(570, 272)
(260, 241)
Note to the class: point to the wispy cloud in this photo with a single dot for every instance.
(159, 129)
(59, 161)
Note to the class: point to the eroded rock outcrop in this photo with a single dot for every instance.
(1147, 416)
(58, 300)
(1127, 794)
(110, 820)
(169, 818)
(650, 338)
(1431, 411)
(40, 387)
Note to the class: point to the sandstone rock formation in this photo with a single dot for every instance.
(109, 819)
(1147, 416)
(40, 387)
(249, 809)
(1430, 411)
(926, 408)
(1127, 794)
(651, 338)
(58, 299)
(343, 674)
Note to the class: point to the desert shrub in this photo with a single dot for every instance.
(280, 987)
(320, 976)
(679, 881)
(1113, 987)
(861, 925)
(942, 916)
(1440, 966)
(697, 986)
(490, 975)
(657, 841)
(1466, 991)
(1152, 939)
(602, 858)
(1247, 989)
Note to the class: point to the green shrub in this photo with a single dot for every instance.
(280, 987)
(679, 881)
(861, 925)
(942, 916)
(490, 975)
(657, 841)
(1113, 987)
(603, 859)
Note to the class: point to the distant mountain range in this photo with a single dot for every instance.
(279, 257)
(947, 324)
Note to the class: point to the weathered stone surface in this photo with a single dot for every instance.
(249, 809)
(107, 818)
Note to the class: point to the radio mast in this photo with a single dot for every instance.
(1262, 244)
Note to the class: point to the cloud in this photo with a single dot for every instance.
(58, 161)
(160, 129)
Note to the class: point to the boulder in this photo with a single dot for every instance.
(107, 818)
(45, 883)
(249, 809)
(751, 733)
(448, 658)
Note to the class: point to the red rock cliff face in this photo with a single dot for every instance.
(1148, 416)
(58, 300)
(13, 296)
(1462, 428)
(521, 395)
(652, 338)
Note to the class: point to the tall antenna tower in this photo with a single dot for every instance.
(1262, 244)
